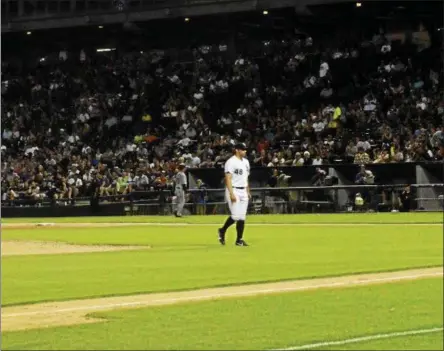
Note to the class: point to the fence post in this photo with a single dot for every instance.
(263, 200)
(162, 202)
(131, 201)
(423, 176)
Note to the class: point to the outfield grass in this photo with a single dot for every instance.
(190, 257)
(265, 322)
(420, 217)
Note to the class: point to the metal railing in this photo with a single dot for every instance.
(338, 198)
(302, 199)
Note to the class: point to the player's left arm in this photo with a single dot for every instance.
(185, 183)
(248, 181)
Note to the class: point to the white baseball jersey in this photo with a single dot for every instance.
(180, 180)
(239, 170)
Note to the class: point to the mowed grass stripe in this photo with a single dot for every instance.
(352, 218)
(59, 226)
(191, 258)
(74, 312)
(263, 322)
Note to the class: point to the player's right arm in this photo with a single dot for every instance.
(229, 185)
(228, 180)
(184, 182)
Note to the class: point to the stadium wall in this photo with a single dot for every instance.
(426, 178)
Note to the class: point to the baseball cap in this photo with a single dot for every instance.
(240, 146)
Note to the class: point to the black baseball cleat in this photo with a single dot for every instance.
(241, 243)
(221, 236)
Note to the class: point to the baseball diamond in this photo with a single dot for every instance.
(176, 275)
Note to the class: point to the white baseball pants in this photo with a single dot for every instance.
(239, 208)
(180, 200)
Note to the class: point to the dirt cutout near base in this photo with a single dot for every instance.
(18, 248)
(75, 312)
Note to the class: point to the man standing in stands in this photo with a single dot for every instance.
(180, 188)
(201, 197)
(96, 183)
(406, 199)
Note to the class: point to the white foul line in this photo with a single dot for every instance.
(173, 300)
(361, 339)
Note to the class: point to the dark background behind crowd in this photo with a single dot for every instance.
(107, 111)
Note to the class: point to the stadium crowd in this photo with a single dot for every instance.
(124, 120)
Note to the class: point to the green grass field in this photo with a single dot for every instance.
(402, 218)
(265, 322)
(189, 257)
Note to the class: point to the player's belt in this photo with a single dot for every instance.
(238, 187)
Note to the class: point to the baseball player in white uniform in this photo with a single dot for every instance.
(237, 193)
(180, 187)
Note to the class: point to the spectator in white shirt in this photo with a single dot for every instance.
(364, 144)
(369, 103)
(241, 111)
(318, 126)
(72, 139)
(323, 69)
(198, 96)
(226, 120)
(184, 142)
(298, 160)
(317, 161)
(131, 147)
(7, 134)
(195, 161)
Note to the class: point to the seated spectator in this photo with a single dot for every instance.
(361, 156)
(67, 119)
